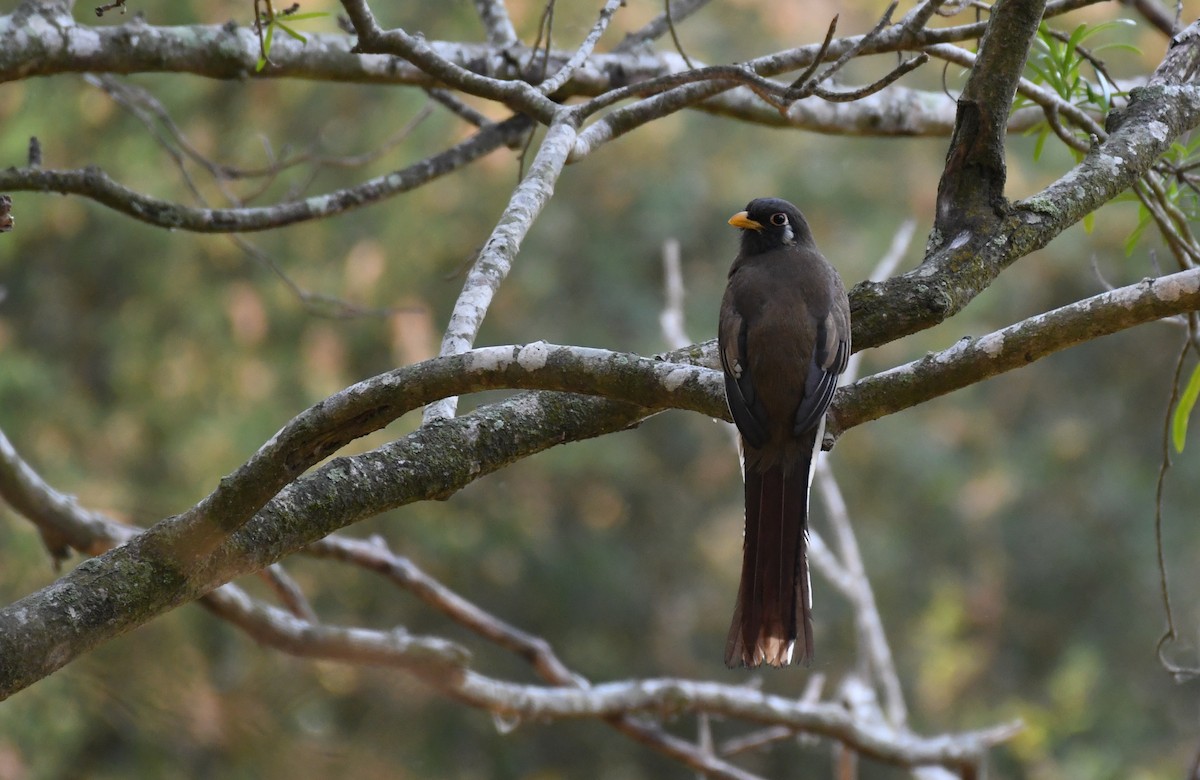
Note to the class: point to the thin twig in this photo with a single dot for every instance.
(458, 107)
(317, 304)
(671, 318)
(543, 42)
(853, 51)
(907, 66)
(1176, 225)
(94, 183)
(1180, 673)
(1035, 93)
(763, 737)
(176, 146)
(581, 55)
(1155, 202)
(674, 92)
(375, 556)
(1066, 136)
(675, 36)
(676, 12)
(1156, 15)
(150, 111)
(818, 58)
(288, 591)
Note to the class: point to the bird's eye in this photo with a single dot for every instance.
(779, 219)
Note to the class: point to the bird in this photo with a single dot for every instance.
(784, 340)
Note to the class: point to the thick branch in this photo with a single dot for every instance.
(963, 264)
(967, 262)
(971, 191)
(38, 40)
(166, 565)
(972, 360)
(134, 583)
(106, 596)
(653, 384)
(155, 573)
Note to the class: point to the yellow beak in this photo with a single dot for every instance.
(742, 220)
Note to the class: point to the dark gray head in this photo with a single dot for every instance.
(771, 223)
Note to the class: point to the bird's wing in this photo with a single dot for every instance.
(744, 405)
(830, 355)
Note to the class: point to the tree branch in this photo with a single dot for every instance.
(962, 265)
(96, 184)
(165, 567)
(536, 651)
(971, 360)
(496, 258)
(660, 25)
(496, 22)
(971, 190)
(669, 696)
(38, 40)
(897, 37)
(445, 666)
(372, 39)
(583, 53)
(872, 637)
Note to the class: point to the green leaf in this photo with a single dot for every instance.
(1136, 234)
(295, 35)
(1040, 74)
(1183, 410)
(1089, 222)
(1078, 36)
(312, 15)
(1104, 27)
(1041, 142)
(1125, 47)
(266, 48)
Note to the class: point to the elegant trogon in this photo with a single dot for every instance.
(784, 337)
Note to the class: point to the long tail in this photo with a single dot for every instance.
(774, 601)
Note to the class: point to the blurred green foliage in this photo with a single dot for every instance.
(1007, 528)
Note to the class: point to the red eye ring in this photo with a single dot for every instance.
(779, 219)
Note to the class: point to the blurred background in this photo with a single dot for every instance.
(1008, 528)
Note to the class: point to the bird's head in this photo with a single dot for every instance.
(771, 223)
